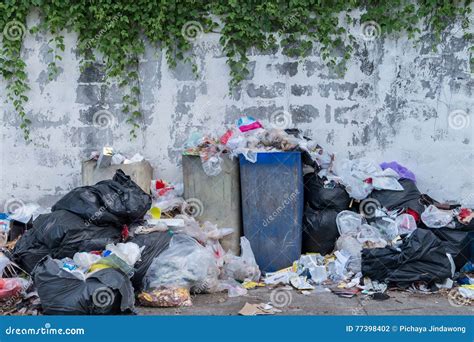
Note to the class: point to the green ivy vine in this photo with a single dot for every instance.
(117, 31)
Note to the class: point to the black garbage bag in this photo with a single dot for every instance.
(61, 234)
(422, 257)
(110, 202)
(321, 198)
(319, 230)
(457, 243)
(105, 292)
(408, 198)
(29, 251)
(154, 243)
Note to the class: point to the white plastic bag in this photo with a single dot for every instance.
(243, 267)
(405, 223)
(349, 222)
(436, 218)
(212, 166)
(386, 180)
(84, 260)
(370, 237)
(137, 157)
(349, 245)
(356, 173)
(27, 212)
(117, 159)
(184, 264)
(353, 177)
(129, 252)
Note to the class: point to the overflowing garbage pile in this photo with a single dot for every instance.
(363, 222)
(101, 246)
(247, 138)
(366, 228)
(108, 156)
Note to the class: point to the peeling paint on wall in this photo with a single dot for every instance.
(393, 103)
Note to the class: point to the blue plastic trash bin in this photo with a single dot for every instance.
(272, 207)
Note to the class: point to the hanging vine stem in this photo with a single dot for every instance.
(13, 70)
(117, 31)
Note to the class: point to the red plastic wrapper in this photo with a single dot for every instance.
(10, 287)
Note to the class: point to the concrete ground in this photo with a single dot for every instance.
(295, 303)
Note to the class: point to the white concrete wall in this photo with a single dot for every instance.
(393, 103)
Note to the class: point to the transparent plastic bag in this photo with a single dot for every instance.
(353, 178)
(248, 154)
(405, 223)
(212, 166)
(233, 288)
(10, 287)
(191, 227)
(387, 227)
(85, 260)
(349, 222)
(386, 180)
(243, 267)
(4, 262)
(371, 237)
(129, 252)
(185, 264)
(354, 264)
(349, 245)
(356, 173)
(436, 218)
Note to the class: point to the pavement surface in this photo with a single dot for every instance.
(291, 302)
